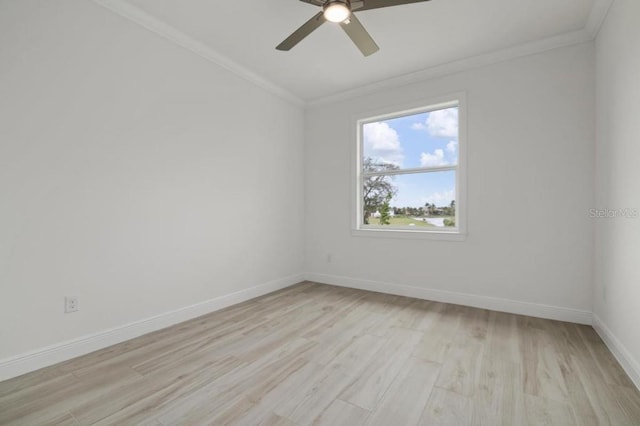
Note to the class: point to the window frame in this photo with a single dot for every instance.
(457, 233)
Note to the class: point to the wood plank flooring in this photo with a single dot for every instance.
(320, 355)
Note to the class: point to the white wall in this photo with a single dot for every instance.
(142, 179)
(133, 174)
(617, 282)
(530, 168)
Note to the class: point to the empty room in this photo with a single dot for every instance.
(319, 212)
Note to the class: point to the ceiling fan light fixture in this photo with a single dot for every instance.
(336, 11)
(340, 12)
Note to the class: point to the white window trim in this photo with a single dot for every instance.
(459, 233)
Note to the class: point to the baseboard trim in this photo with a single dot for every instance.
(476, 301)
(630, 365)
(44, 357)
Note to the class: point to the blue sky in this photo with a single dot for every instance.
(419, 140)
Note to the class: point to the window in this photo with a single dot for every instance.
(410, 178)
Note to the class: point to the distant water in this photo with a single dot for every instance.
(436, 221)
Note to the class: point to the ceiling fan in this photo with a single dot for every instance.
(341, 12)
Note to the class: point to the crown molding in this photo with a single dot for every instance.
(144, 19)
(526, 49)
(598, 14)
(589, 32)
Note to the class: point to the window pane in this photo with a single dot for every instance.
(414, 201)
(427, 139)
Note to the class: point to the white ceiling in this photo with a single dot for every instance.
(411, 37)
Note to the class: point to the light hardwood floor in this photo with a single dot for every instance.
(317, 354)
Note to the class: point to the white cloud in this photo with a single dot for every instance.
(433, 160)
(452, 147)
(382, 143)
(440, 199)
(419, 126)
(443, 123)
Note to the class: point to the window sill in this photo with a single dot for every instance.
(407, 234)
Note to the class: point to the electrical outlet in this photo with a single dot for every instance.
(70, 304)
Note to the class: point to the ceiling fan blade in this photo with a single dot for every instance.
(359, 36)
(377, 4)
(306, 29)
(314, 2)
